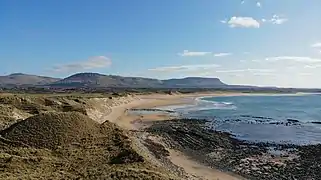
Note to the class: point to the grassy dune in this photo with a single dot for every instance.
(51, 137)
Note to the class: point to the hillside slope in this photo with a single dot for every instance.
(25, 79)
(100, 80)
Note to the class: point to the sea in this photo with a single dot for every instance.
(286, 119)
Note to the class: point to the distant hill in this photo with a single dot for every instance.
(19, 79)
(192, 82)
(96, 80)
(100, 80)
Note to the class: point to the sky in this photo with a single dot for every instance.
(250, 42)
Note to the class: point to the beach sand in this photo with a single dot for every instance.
(119, 115)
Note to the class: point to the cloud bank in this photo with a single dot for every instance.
(92, 63)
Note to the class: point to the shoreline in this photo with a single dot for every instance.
(138, 122)
(117, 113)
(132, 122)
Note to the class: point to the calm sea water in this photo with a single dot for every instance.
(262, 118)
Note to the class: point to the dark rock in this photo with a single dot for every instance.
(316, 122)
(293, 120)
(221, 150)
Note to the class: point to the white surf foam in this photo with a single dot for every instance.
(200, 104)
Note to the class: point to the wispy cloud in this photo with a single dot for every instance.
(246, 70)
(195, 67)
(293, 58)
(305, 74)
(312, 66)
(244, 22)
(250, 22)
(263, 74)
(277, 19)
(193, 53)
(258, 4)
(222, 54)
(316, 45)
(92, 63)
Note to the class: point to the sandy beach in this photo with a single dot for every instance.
(148, 141)
(249, 158)
(119, 115)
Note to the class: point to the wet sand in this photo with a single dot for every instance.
(251, 160)
(119, 115)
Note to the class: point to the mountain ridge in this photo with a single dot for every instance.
(18, 79)
(89, 79)
(102, 80)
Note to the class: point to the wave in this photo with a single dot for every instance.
(201, 104)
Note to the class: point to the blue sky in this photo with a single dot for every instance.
(264, 42)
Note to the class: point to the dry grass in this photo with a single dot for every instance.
(50, 130)
(14, 107)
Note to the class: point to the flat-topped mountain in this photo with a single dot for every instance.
(101, 80)
(191, 82)
(96, 80)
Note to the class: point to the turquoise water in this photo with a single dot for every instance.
(280, 119)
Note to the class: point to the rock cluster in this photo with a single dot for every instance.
(251, 160)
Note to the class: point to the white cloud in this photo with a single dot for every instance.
(185, 68)
(246, 70)
(305, 74)
(245, 22)
(263, 74)
(193, 53)
(258, 4)
(242, 2)
(92, 63)
(250, 22)
(222, 54)
(316, 45)
(312, 66)
(293, 58)
(276, 19)
(291, 67)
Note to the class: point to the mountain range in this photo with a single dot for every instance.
(18, 79)
(93, 80)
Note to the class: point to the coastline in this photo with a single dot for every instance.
(196, 168)
(156, 142)
(119, 114)
(133, 122)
